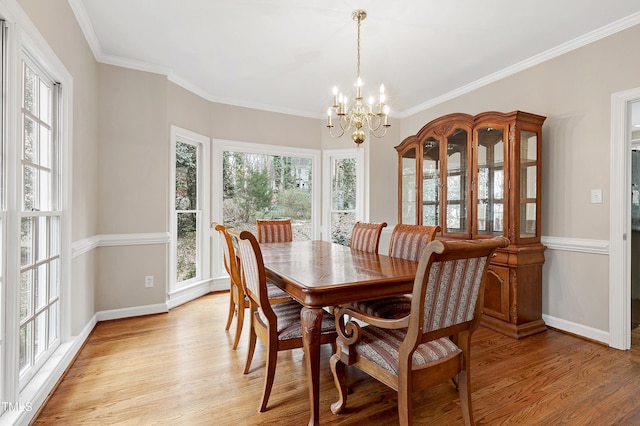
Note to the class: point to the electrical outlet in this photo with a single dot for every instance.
(148, 281)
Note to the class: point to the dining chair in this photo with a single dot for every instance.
(274, 230)
(407, 242)
(366, 236)
(277, 326)
(433, 343)
(238, 302)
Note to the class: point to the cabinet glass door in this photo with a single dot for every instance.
(431, 182)
(456, 185)
(409, 182)
(490, 203)
(528, 183)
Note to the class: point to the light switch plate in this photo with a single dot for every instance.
(596, 196)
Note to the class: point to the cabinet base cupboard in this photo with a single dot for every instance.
(479, 177)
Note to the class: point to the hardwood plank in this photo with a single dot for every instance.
(178, 368)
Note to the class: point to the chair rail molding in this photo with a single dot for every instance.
(580, 245)
(85, 245)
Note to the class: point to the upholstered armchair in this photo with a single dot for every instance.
(432, 344)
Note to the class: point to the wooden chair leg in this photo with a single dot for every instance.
(339, 378)
(252, 346)
(239, 324)
(272, 361)
(232, 308)
(465, 397)
(404, 406)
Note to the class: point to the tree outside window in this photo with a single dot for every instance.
(261, 186)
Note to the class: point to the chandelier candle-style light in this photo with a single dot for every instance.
(359, 115)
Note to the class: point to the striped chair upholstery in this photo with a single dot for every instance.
(274, 230)
(277, 326)
(407, 242)
(366, 236)
(430, 345)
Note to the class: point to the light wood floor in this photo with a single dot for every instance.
(178, 368)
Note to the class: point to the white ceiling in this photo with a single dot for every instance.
(286, 55)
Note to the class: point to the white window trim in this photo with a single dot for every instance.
(219, 146)
(204, 169)
(362, 212)
(22, 35)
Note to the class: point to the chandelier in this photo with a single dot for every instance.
(373, 117)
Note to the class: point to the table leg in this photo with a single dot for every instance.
(311, 319)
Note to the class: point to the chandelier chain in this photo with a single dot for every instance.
(359, 21)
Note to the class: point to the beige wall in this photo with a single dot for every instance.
(121, 271)
(121, 154)
(133, 168)
(133, 194)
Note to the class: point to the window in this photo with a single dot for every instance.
(40, 221)
(343, 171)
(189, 212)
(263, 186)
(35, 231)
(255, 181)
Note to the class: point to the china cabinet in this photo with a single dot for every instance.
(479, 177)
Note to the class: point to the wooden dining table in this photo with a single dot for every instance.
(319, 274)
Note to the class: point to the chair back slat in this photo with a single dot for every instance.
(409, 241)
(274, 230)
(366, 236)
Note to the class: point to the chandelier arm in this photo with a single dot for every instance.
(377, 134)
(345, 122)
(335, 136)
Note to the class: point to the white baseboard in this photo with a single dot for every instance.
(134, 311)
(577, 329)
(183, 296)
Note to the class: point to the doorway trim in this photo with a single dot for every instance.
(620, 220)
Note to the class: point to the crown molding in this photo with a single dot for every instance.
(100, 56)
(574, 44)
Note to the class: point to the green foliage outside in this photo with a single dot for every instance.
(186, 199)
(257, 186)
(343, 200)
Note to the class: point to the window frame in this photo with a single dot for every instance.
(21, 39)
(203, 247)
(327, 206)
(221, 145)
(54, 210)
